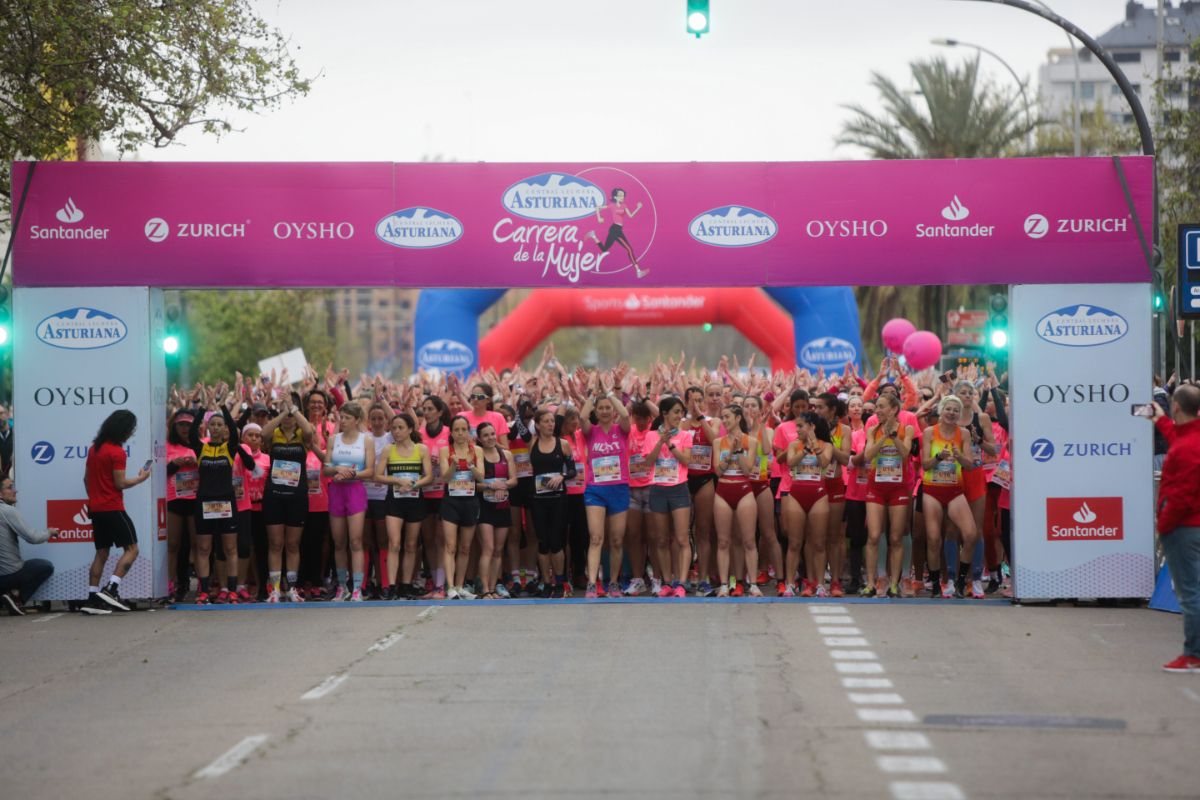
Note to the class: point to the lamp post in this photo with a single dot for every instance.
(995, 55)
(1075, 98)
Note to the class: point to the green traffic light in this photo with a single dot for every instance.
(708, 327)
(170, 345)
(3, 335)
(999, 339)
(1159, 302)
(697, 17)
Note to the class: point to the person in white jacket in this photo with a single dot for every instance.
(19, 579)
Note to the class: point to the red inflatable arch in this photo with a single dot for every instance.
(546, 310)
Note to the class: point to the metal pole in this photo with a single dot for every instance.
(1075, 98)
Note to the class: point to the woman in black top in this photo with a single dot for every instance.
(553, 465)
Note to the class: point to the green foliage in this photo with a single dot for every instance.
(1177, 136)
(132, 73)
(231, 330)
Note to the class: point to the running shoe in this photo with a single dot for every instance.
(590, 594)
(600, 591)
(680, 591)
(636, 587)
(1183, 664)
(273, 596)
(821, 592)
(502, 592)
(465, 593)
(960, 588)
(202, 599)
(656, 587)
(339, 594)
(452, 594)
(112, 596)
(542, 590)
(170, 588)
(738, 591)
(556, 592)
(95, 606)
(665, 590)
(761, 579)
(436, 594)
(806, 589)
(754, 591)
(788, 591)
(294, 596)
(836, 590)
(244, 595)
(780, 587)
(233, 598)
(948, 590)
(893, 591)
(723, 590)
(356, 596)
(10, 602)
(993, 584)
(614, 590)
(222, 598)
(868, 591)
(705, 589)
(568, 590)
(977, 589)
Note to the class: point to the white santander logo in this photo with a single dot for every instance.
(82, 517)
(956, 211)
(70, 212)
(1084, 515)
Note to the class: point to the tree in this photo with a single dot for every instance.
(231, 330)
(132, 73)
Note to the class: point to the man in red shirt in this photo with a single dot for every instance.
(105, 480)
(1179, 515)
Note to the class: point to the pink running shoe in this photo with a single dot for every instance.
(590, 594)
(680, 591)
(667, 590)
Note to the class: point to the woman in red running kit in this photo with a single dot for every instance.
(887, 448)
(462, 464)
(733, 462)
(945, 455)
(983, 444)
(500, 476)
(702, 420)
(435, 435)
(761, 437)
(807, 458)
(795, 404)
(831, 409)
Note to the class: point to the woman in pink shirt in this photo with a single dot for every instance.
(639, 503)
(606, 497)
(616, 231)
(668, 449)
(481, 411)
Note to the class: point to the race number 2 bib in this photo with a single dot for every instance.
(606, 469)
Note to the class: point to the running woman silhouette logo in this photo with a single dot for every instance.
(618, 213)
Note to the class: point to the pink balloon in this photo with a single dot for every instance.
(895, 331)
(922, 350)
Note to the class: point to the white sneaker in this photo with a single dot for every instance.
(293, 595)
(466, 594)
(948, 590)
(273, 596)
(452, 593)
(822, 591)
(977, 589)
(356, 595)
(502, 592)
(636, 586)
(339, 595)
(655, 586)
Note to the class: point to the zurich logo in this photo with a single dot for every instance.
(42, 453)
(553, 197)
(1036, 226)
(419, 228)
(733, 226)
(1042, 450)
(81, 328)
(445, 354)
(1082, 326)
(828, 351)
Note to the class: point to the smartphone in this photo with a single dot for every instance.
(944, 377)
(149, 463)
(1142, 410)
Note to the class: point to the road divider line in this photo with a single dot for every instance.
(897, 740)
(858, 667)
(48, 617)
(900, 715)
(846, 641)
(838, 630)
(325, 687)
(876, 698)
(429, 612)
(911, 764)
(837, 619)
(816, 609)
(926, 790)
(853, 655)
(866, 683)
(232, 757)
(385, 643)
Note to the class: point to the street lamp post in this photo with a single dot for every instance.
(1075, 98)
(995, 55)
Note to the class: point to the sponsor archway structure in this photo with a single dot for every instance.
(95, 244)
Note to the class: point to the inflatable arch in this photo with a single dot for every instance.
(823, 331)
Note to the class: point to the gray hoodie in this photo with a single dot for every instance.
(12, 526)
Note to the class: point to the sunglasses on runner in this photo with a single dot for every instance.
(478, 397)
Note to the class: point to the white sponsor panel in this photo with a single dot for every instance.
(293, 361)
(1083, 515)
(81, 354)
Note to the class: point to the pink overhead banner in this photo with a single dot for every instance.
(609, 225)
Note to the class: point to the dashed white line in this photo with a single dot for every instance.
(232, 757)
(866, 683)
(846, 641)
(836, 619)
(1192, 694)
(838, 630)
(324, 687)
(853, 655)
(48, 617)
(897, 740)
(858, 667)
(931, 790)
(429, 612)
(827, 609)
(876, 698)
(911, 764)
(385, 643)
(886, 715)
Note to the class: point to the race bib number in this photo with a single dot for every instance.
(639, 468)
(186, 482)
(216, 509)
(375, 491)
(541, 483)
(412, 477)
(1003, 475)
(462, 484)
(734, 470)
(606, 469)
(524, 466)
(889, 469)
(256, 492)
(666, 471)
(239, 488)
(496, 491)
(314, 482)
(285, 473)
(580, 480)
(700, 458)
(810, 472)
(945, 474)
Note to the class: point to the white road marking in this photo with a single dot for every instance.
(858, 667)
(48, 617)
(886, 715)
(833, 620)
(232, 757)
(828, 609)
(1192, 694)
(866, 683)
(846, 641)
(429, 612)
(897, 740)
(876, 698)
(911, 764)
(385, 643)
(853, 655)
(933, 790)
(838, 630)
(324, 687)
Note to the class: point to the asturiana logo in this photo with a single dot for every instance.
(445, 354)
(553, 197)
(733, 226)
(81, 328)
(1082, 326)
(419, 228)
(828, 351)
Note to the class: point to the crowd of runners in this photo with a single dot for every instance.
(614, 482)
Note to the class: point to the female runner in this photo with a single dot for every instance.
(946, 454)
(984, 446)
(315, 544)
(640, 545)
(403, 469)
(761, 436)
(520, 434)
(255, 485)
(807, 458)
(287, 438)
(606, 497)
(499, 478)
(733, 462)
(704, 410)
(577, 526)
(857, 476)
(795, 405)
(182, 478)
(553, 465)
(887, 448)
(462, 464)
(832, 410)
(375, 531)
(435, 434)
(351, 457)
(670, 502)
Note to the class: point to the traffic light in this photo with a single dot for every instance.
(707, 327)
(5, 318)
(997, 332)
(697, 17)
(172, 342)
(1158, 296)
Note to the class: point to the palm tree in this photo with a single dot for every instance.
(956, 116)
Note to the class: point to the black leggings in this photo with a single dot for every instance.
(549, 523)
(856, 532)
(1006, 533)
(312, 548)
(579, 538)
(616, 235)
(258, 536)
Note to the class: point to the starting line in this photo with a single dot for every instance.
(537, 601)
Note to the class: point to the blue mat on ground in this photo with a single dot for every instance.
(1164, 598)
(530, 601)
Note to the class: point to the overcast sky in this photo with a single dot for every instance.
(618, 80)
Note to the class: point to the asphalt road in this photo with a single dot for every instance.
(696, 699)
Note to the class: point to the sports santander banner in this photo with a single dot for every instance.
(1083, 515)
(599, 225)
(80, 355)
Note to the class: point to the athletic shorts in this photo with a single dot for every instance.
(942, 494)
(377, 509)
(408, 509)
(112, 529)
(433, 505)
(461, 511)
(761, 486)
(185, 507)
(732, 492)
(889, 494)
(665, 499)
(243, 540)
(974, 484)
(216, 526)
(347, 499)
(836, 489)
(519, 495)
(808, 493)
(639, 498)
(497, 515)
(698, 480)
(285, 509)
(613, 497)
